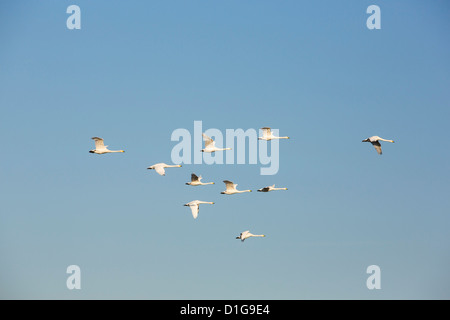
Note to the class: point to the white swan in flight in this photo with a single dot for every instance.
(246, 234)
(268, 135)
(194, 205)
(210, 145)
(231, 188)
(159, 168)
(270, 188)
(375, 141)
(100, 147)
(196, 181)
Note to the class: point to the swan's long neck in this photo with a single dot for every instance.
(392, 141)
(258, 235)
(222, 149)
(281, 137)
(204, 183)
(279, 188)
(173, 166)
(114, 151)
(241, 191)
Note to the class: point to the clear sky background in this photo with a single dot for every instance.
(138, 70)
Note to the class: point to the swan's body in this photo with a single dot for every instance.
(159, 168)
(268, 135)
(270, 188)
(194, 205)
(246, 234)
(100, 147)
(196, 181)
(231, 188)
(375, 141)
(210, 145)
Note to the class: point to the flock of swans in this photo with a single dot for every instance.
(230, 187)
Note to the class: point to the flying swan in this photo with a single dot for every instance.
(194, 205)
(159, 168)
(100, 147)
(268, 135)
(270, 188)
(196, 181)
(210, 145)
(246, 234)
(375, 141)
(231, 188)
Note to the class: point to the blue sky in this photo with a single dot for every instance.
(137, 71)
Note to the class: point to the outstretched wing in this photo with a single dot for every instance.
(194, 209)
(229, 185)
(377, 146)
(194, 177)
(160, 170)
(266, 132)
(99, 143)
(208, 141)
(244, 235)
